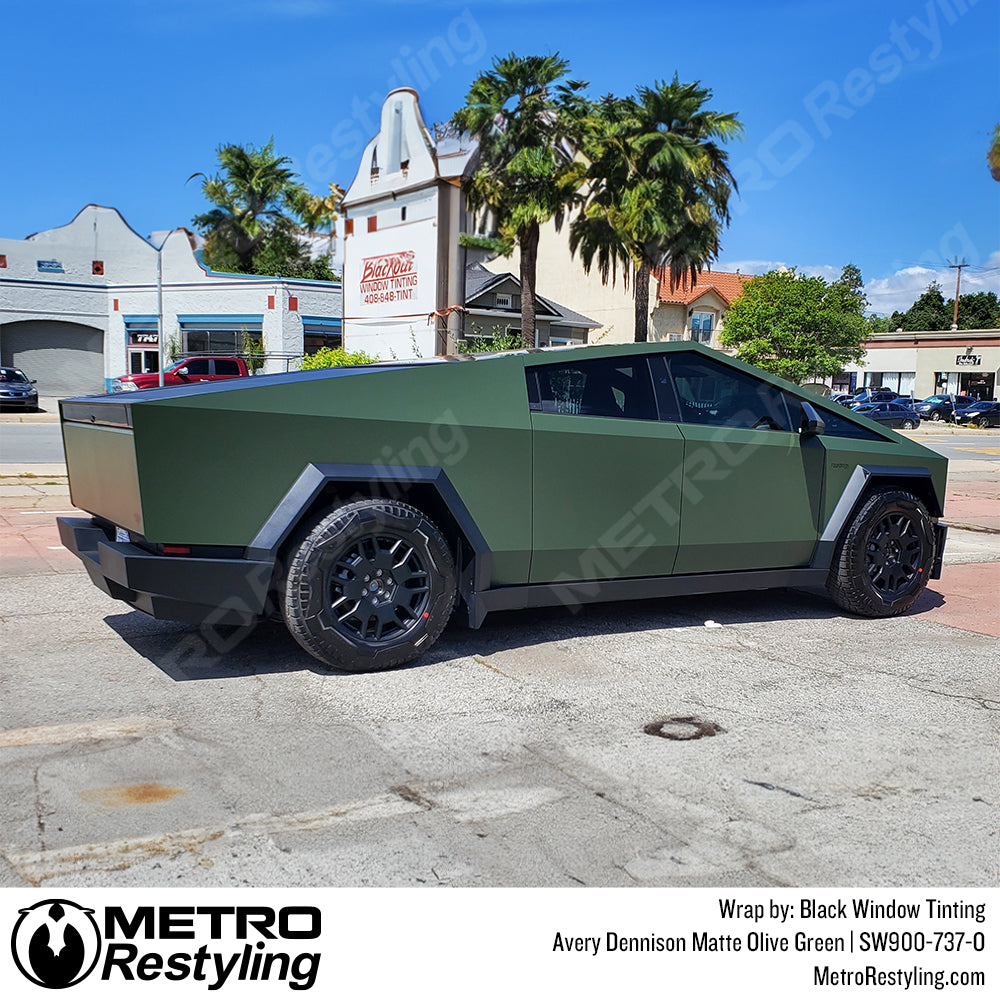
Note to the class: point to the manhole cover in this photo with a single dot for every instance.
(682, 727)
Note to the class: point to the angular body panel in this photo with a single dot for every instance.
(556, 476)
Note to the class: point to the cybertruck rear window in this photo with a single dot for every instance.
(836, 425)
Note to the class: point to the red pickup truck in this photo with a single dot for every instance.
(184, 372)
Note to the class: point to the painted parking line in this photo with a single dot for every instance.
(83, 732)
(980, 451)
(38, 866)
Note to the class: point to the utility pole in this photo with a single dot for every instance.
(958, 284)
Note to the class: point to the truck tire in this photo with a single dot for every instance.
(370, 586)
(884, 557)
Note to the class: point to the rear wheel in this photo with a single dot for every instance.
(370, 586)
(908, 425)
(983, 422)
(884, 557)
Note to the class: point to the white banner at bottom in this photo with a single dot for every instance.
(484, 943)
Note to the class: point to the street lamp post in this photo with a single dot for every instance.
(159, 311)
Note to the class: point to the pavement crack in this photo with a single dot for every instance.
(988, 703)
(485, 663)
(39, 812)
(777, 788)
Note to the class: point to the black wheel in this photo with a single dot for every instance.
(936, 415)
(884, 557)
(908, 425)
(983, 422)
(370, 586)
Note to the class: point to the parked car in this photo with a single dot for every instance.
(363, 504)
(941, 407)
(985, 413)
(890, 414)
(187, 370)
(16, 389)
(843, 398)
(875, 396)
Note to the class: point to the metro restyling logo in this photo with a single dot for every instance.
(57, 943)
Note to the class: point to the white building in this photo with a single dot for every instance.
(79, 305)
(404, 271)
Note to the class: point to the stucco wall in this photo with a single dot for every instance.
(128, 287)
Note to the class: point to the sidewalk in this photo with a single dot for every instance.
(47, 413)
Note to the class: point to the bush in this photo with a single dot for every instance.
(335, 357)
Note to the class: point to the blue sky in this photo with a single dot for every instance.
(867, 121)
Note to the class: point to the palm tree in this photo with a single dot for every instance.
(525, 122)
(659, 188)
(255, 194)
(317, 211)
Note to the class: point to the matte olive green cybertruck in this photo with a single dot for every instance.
(362, 504)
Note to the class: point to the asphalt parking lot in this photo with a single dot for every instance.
(747, 739)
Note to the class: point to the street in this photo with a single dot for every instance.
(742, 739)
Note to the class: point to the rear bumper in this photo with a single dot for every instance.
(177, 588)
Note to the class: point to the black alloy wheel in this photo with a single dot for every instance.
(370, 585)
(884, 557)
(378, 588)
(893, 555)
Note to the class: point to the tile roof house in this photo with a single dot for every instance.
(494, 300)
(696, 311)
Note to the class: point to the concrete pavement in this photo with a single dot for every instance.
(833, 750)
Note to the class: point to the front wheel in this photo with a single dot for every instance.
(370, 586)
(936, 415)
(983, 422)
(884, 557)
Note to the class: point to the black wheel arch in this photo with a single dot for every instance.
(322, 487)
(864, 482)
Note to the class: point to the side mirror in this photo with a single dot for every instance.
(34, 381)
(812, 422)
(181, 371)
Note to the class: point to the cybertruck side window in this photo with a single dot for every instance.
(604, 387)
(716, 395)
(836, 425)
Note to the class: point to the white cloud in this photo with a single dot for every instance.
(825, 271)
(901, 289)
(898, 290)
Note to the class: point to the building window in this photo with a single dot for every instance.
(701, 327)
(3, 260)
(502, 301)
(372, 223)
(50, 266)
(97, 267)
(218, 334)
(402, 214)
(348, 227)
(319, 332)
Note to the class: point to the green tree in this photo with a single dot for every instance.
(796, 326)
(525, 121)
(253, 226)
(976, 311)
(929, 312)
(283, 253)
(993, 156)
(658, 187)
